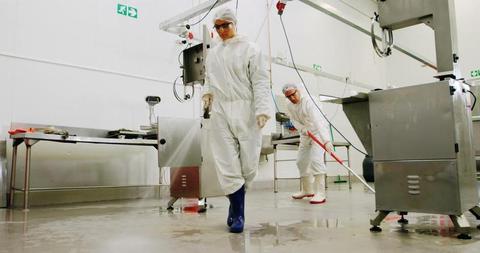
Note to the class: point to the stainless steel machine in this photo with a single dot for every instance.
(420, 136)
(181, 147)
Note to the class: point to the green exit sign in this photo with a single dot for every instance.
(475, 73)
(127, 11)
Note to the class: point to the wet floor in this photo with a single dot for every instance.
(274, 223)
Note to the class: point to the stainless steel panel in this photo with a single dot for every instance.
(476, 137)
(193, 64)
(179, 142)
(357, 109)
(418, 186)
(358, 114)
(209, 184)
(74, 165)
(413, 123)
(185, 182)
(476, 124)
(466, 154)
(400, 14)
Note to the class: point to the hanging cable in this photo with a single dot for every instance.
(186, 96)
(387, 39)
(474, 99)
(208, 12)
(175, 90)
(308, 92)
(343, 94)
(274, 100)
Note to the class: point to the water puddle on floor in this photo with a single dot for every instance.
(439, 226)
(288, 231)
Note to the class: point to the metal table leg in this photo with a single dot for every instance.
(26, 179)
(26, 184)
(349, 165)
(275, 186)
(12, 175)
(13, 171)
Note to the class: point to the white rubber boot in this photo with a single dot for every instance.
(306, 189)
(319, 188)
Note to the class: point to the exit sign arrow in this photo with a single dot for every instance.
(132, 12)
(475, 73)
(122, 9)
(126, 10)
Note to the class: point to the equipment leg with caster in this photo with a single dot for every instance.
(402, 220)
(376, 222)
(462, 226)
(171, 202)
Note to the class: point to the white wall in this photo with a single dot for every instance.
(78, 63)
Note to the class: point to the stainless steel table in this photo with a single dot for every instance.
(31, 139)
(291, 143)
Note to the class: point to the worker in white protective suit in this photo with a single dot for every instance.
(305, 116)
(237, 94)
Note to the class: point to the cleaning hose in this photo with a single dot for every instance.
(315, 139)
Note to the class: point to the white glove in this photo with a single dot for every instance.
(207, 100)
(262, 120)
(328, 147)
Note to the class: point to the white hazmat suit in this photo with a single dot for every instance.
(305, 116)
(237, 79)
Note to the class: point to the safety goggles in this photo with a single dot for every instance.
(224, 26)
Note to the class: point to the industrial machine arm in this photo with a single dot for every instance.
(437, 14)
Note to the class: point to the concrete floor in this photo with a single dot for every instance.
(274, 223)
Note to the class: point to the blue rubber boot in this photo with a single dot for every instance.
(230, 215)
(237, 200)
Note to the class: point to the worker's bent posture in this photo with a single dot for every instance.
(305, 116)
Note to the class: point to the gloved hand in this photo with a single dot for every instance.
(329, 147)
(207, 101)
(262, 120)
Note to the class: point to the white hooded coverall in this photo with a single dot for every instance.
(306, 116)
(237, 78)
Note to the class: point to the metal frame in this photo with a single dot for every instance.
(326, 9)
(195, 11)
(31, 139)
(292, 144)
(347, 147)
(169, 25)
(437, 14)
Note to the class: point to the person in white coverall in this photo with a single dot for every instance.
(236, 93)
(305, 116)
